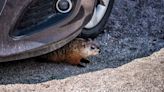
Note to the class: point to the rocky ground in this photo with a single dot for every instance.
(140, 75)
(135, 30)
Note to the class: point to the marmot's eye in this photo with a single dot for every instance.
(92, 47)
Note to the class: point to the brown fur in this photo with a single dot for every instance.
(71, 53)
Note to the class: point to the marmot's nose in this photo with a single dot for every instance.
(99, 51)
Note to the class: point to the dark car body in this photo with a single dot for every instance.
(2, 4)
(22, 37)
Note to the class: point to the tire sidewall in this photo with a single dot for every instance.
(93, 32)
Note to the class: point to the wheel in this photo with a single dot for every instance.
(99, 18)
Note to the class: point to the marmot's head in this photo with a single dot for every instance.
(89, 48)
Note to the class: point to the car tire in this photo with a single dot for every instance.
(96, 30)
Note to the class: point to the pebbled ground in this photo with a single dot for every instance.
(141, 75)
(135, 29)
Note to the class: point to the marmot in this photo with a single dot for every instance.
(74, 53)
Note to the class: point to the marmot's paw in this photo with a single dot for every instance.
(84, 61)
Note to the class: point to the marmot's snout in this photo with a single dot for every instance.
(95, 48)
(91, 49)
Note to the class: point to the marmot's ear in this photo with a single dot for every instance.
(83, 44)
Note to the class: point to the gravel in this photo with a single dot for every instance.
(141, 75)
(135, 29)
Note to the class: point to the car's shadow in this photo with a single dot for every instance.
(134, 30)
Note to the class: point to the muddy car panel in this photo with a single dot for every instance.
(49, 38)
